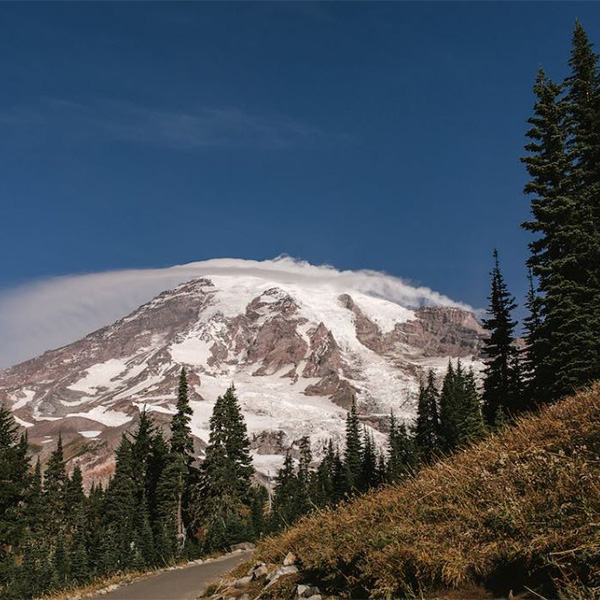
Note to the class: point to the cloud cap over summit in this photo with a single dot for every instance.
(46, 314)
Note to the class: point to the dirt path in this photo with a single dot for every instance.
(180, 584)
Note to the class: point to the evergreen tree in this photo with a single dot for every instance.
(427, 424)
(471, 427)
(14, 484)
(55, 482)
(119, 511)
(223, 494)
(450, 410)
(304, 476)
(258, 502)
(402, 457)
(565, 256)
(353, 451)
(576, 309)
(369, 475)
(33, 508)
(182, 449)
(181, 434)
(323, 493)
(237, 443)
(502, 386)
(74, 494)
(551, 206)
(285, 509)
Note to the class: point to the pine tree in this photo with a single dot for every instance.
(14, 483)
(353, 451)
(535, 354)
(323, 493)
(284, 510)
(181, 434)
(565, 256)
(471, 427)
(449, 410)
(55, 482)
(369, 474)
(427, 424)
(237, 443)
(551, 207)
(402, 457)
(304, 476)
(222, 496)
(74, 494)
(258, 503)
(502, 386)
(576, 347)
(33, 508)
(182, 449)
(119, 511)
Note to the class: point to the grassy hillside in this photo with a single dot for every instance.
(519, 510)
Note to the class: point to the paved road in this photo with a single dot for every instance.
(180, 584)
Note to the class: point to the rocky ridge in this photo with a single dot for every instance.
(298, 355)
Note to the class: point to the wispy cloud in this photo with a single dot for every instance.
(204, 127)
(50, 313)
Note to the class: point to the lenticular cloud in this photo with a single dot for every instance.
(50, 313)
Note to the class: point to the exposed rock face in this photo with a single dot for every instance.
(298, 356)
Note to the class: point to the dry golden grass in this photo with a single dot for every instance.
(521, 509)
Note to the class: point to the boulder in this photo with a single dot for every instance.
(280, 572)
(260, 570)
(307, 591)
(243, 546)
(289, 559)
(242, 582)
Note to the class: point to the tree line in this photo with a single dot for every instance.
(163, 505)
(159, 507)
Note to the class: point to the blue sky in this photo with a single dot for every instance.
(365, 135)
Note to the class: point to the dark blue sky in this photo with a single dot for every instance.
(364, 135)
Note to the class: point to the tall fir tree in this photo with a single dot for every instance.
(237, 442)
(223, 495)
(402, 456)
(534, 360)
(182, 450)
(450, 410)
(502, 385)
(369, 474)
(305, 478)
(576, 348)
(562, 163)
(471, 427)
(548, 166)
(285, 508)
(55, 482)
(119, 512)
(428, 423)
(353, 449)
(14, 484)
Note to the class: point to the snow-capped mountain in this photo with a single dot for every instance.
(297, 354)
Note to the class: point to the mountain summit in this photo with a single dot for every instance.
(297, 353)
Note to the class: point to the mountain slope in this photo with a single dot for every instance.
(297, 353)
(521, 508)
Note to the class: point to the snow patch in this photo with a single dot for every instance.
(24, 397)
(191, 351)
(21, 422)
(92, 433)
(99, 375)
(101, 414)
